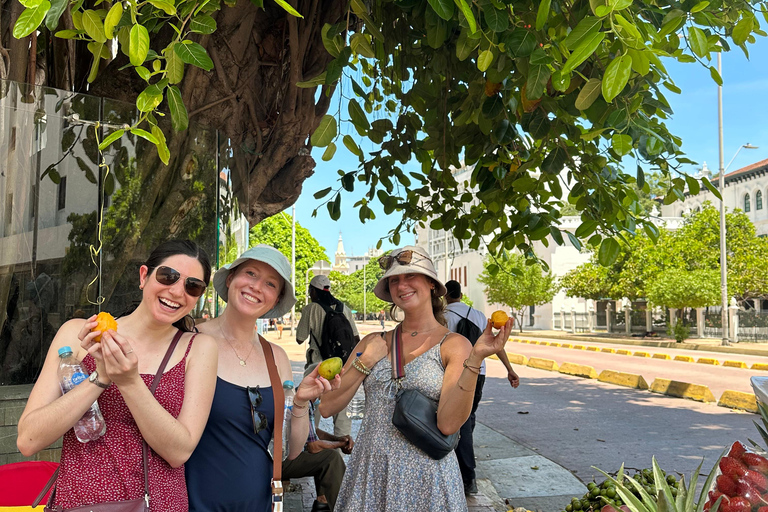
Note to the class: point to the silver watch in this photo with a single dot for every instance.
(94, 378)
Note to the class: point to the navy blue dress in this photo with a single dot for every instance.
(231, 469)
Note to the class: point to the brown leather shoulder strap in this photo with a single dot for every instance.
(277, 392)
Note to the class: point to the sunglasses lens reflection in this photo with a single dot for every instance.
(168, 276)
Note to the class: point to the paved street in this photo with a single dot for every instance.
(579, 422)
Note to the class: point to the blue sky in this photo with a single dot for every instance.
(745, 120)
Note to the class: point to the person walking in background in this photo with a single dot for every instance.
(331, 330)
(386, 472)
(382, 317)
(231, 470)
(469, 322)
(122, 366)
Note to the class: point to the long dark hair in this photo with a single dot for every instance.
(171, 248)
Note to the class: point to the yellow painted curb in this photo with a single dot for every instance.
(566, 345)
(738, 400)
(629, 380)
(661, 356)
(735, 364)
(593, 349)
(683, 390)
(642, 354)
(579, 370)
(708, 360)
(517, 358)
(608, 350)
(579, 347)
(517, 340)
(494, 356)
(524, 341)
(554, 344)
(760, 366)
(623, 352)
(685, 359)
(533, 342)
(543, 364)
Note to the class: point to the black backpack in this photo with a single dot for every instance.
(337, 338)
(466, 328)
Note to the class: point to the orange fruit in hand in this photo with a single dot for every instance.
(104, 321)
(498, 319)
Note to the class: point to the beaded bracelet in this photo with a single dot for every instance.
(358, 365)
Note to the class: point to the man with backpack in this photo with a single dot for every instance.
(470, 323)
(331, 330)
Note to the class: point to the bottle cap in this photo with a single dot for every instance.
(359, 354)
(65, 350)
(288, 384)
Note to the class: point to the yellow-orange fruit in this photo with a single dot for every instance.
(104, 322)
(498, 319)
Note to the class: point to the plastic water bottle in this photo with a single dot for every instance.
(288, 392)
(356, 408)
(92, 425)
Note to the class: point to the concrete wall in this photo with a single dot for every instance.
(12, 402)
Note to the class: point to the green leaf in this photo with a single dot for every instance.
(711, 188)
(493, 106)
(179, 117)
(325, 133)
(30, 3)
(352, 146)
(194, 54)
(467, 12)
(112, 137)
(361, 46)
(139, 45)
(496, 20)
(621, 144)
(95, 49)
(167, 7)
(359, 119)
(693, 185)
(312, 82)
(640, 178)
(174, 66)
(583, 51)
(587, 27)
(609, 251)
(699, 7)
(561, 81)
(329, 152)
(143, 72)
(715, 75)
(331, 40)
(203, 24)
(288, 8)
(162, 145)
(54, 14)
(93, 26)
(484, 60)
(149, 98)
(652, 231)
(538, 76)
(465, 45)
(29, 19)
(698, 41)
(554, 161)
(542, 14)
(742, 30)
(112, 19)
(520, 43)
(640, 62)
(322, 193)
(68, 34)
(144, 135)
(443, 8)
(629, 33)
(588, 94)
(334, 207)
(616, 77)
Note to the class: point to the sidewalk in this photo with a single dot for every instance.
(703, 344)
(509, 475)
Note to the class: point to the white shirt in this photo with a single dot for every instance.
(455, 311)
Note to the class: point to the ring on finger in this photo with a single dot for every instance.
(129, 352)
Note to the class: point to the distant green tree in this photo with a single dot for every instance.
(349, 288)
(517, 284)
(276, 232)
(588, 280)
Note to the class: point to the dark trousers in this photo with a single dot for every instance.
(465, 450)
(327, 467)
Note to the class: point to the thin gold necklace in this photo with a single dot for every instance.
(416, 333)
(242, 361)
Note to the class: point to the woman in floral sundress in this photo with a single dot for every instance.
(386, 471)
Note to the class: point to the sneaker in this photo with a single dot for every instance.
(470, 488)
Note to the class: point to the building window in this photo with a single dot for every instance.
(747, 204)
(465, 277)
(759, 200)
(62, 193)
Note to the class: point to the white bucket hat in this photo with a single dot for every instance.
(420, 263)
(274, 259)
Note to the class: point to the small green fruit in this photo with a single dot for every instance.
(330, 368)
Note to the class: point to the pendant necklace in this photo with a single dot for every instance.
(242, 361)
(416, 333)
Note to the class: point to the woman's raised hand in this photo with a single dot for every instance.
(376, 349)
(488, 344)
(116, 355)
(313, 386)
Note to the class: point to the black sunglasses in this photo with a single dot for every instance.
(255, 399)
(403, 258)
(167, 276)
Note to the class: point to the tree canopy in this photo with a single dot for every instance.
(542, 98)
(349, 288)
(517, 283)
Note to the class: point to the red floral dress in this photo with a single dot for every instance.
(110, 468)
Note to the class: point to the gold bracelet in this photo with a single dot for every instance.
(297, 416)
(473, 369)
(297, 406)
(358, 365)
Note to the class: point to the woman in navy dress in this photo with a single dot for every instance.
(231, 469)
